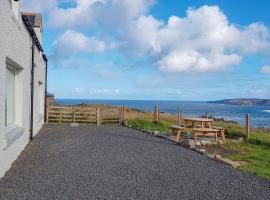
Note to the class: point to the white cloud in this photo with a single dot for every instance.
(178, 61)
(81, 15)
(79, 90)
(265, 69)
(72, 42)
(111, 13)
(203, 40)
(105, 92)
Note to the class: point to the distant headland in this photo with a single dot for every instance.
(247, 102)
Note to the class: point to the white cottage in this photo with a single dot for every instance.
(23, 67)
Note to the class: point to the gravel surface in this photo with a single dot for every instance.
(113, 162)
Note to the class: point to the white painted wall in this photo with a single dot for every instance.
(15, 47)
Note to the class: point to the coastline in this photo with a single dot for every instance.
(222, 113)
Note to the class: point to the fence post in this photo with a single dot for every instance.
(120, 115)
(156, 114)
(206, 115)
(124, 114)
(73, 115)
(61, 110)
(47, 116)
(179, 116)
(247, 126)
(98, 116)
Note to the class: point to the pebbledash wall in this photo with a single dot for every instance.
(15, 51)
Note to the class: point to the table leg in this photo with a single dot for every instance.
(178, 136)
(202, 124)
(222, 134)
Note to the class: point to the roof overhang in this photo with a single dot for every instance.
(33, 35)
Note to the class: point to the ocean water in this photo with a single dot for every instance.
(260, 115)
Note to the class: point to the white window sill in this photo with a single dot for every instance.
(12, 134)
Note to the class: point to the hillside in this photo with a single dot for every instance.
(262, 102)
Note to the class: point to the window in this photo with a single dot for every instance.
(10, 96)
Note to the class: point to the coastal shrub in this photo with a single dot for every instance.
(234, 134)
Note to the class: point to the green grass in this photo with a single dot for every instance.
(257, 157)
(151, 126)
(255, 151)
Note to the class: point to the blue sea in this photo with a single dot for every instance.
(260, 115)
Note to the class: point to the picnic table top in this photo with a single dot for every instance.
(198, 119)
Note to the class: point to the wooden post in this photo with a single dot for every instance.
(73, 115)
(98, 116)
(247, 126)
(206, 115)
(47, 116)
(156, 114)
(61, 110)
(120, 115)
(178, 136)
(124, 113)
(179, 116)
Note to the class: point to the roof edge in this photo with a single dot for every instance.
(33, 35)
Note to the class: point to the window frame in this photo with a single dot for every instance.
(18, 88)
(14, 70)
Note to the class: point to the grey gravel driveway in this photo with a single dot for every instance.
(113, 162)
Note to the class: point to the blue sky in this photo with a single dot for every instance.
(147, 49)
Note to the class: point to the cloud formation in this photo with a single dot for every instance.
(203, 40)
(265, 69)
(72, 42)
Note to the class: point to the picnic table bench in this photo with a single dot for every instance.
(221, 131)
(205, 132)
(177, 129)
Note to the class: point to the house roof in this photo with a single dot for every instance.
(32, 32)
(30, 27)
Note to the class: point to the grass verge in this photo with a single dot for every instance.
(256, 157)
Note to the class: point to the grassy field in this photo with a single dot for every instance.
(255, 152)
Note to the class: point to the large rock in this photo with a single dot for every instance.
(202, 151)
(156, 133)
(205, 142)
(198, 144)
(188, 143)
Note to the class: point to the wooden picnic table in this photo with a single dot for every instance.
(201, 121)
(205, 128)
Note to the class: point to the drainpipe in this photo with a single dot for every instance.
(32, 91)
(46, 89)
